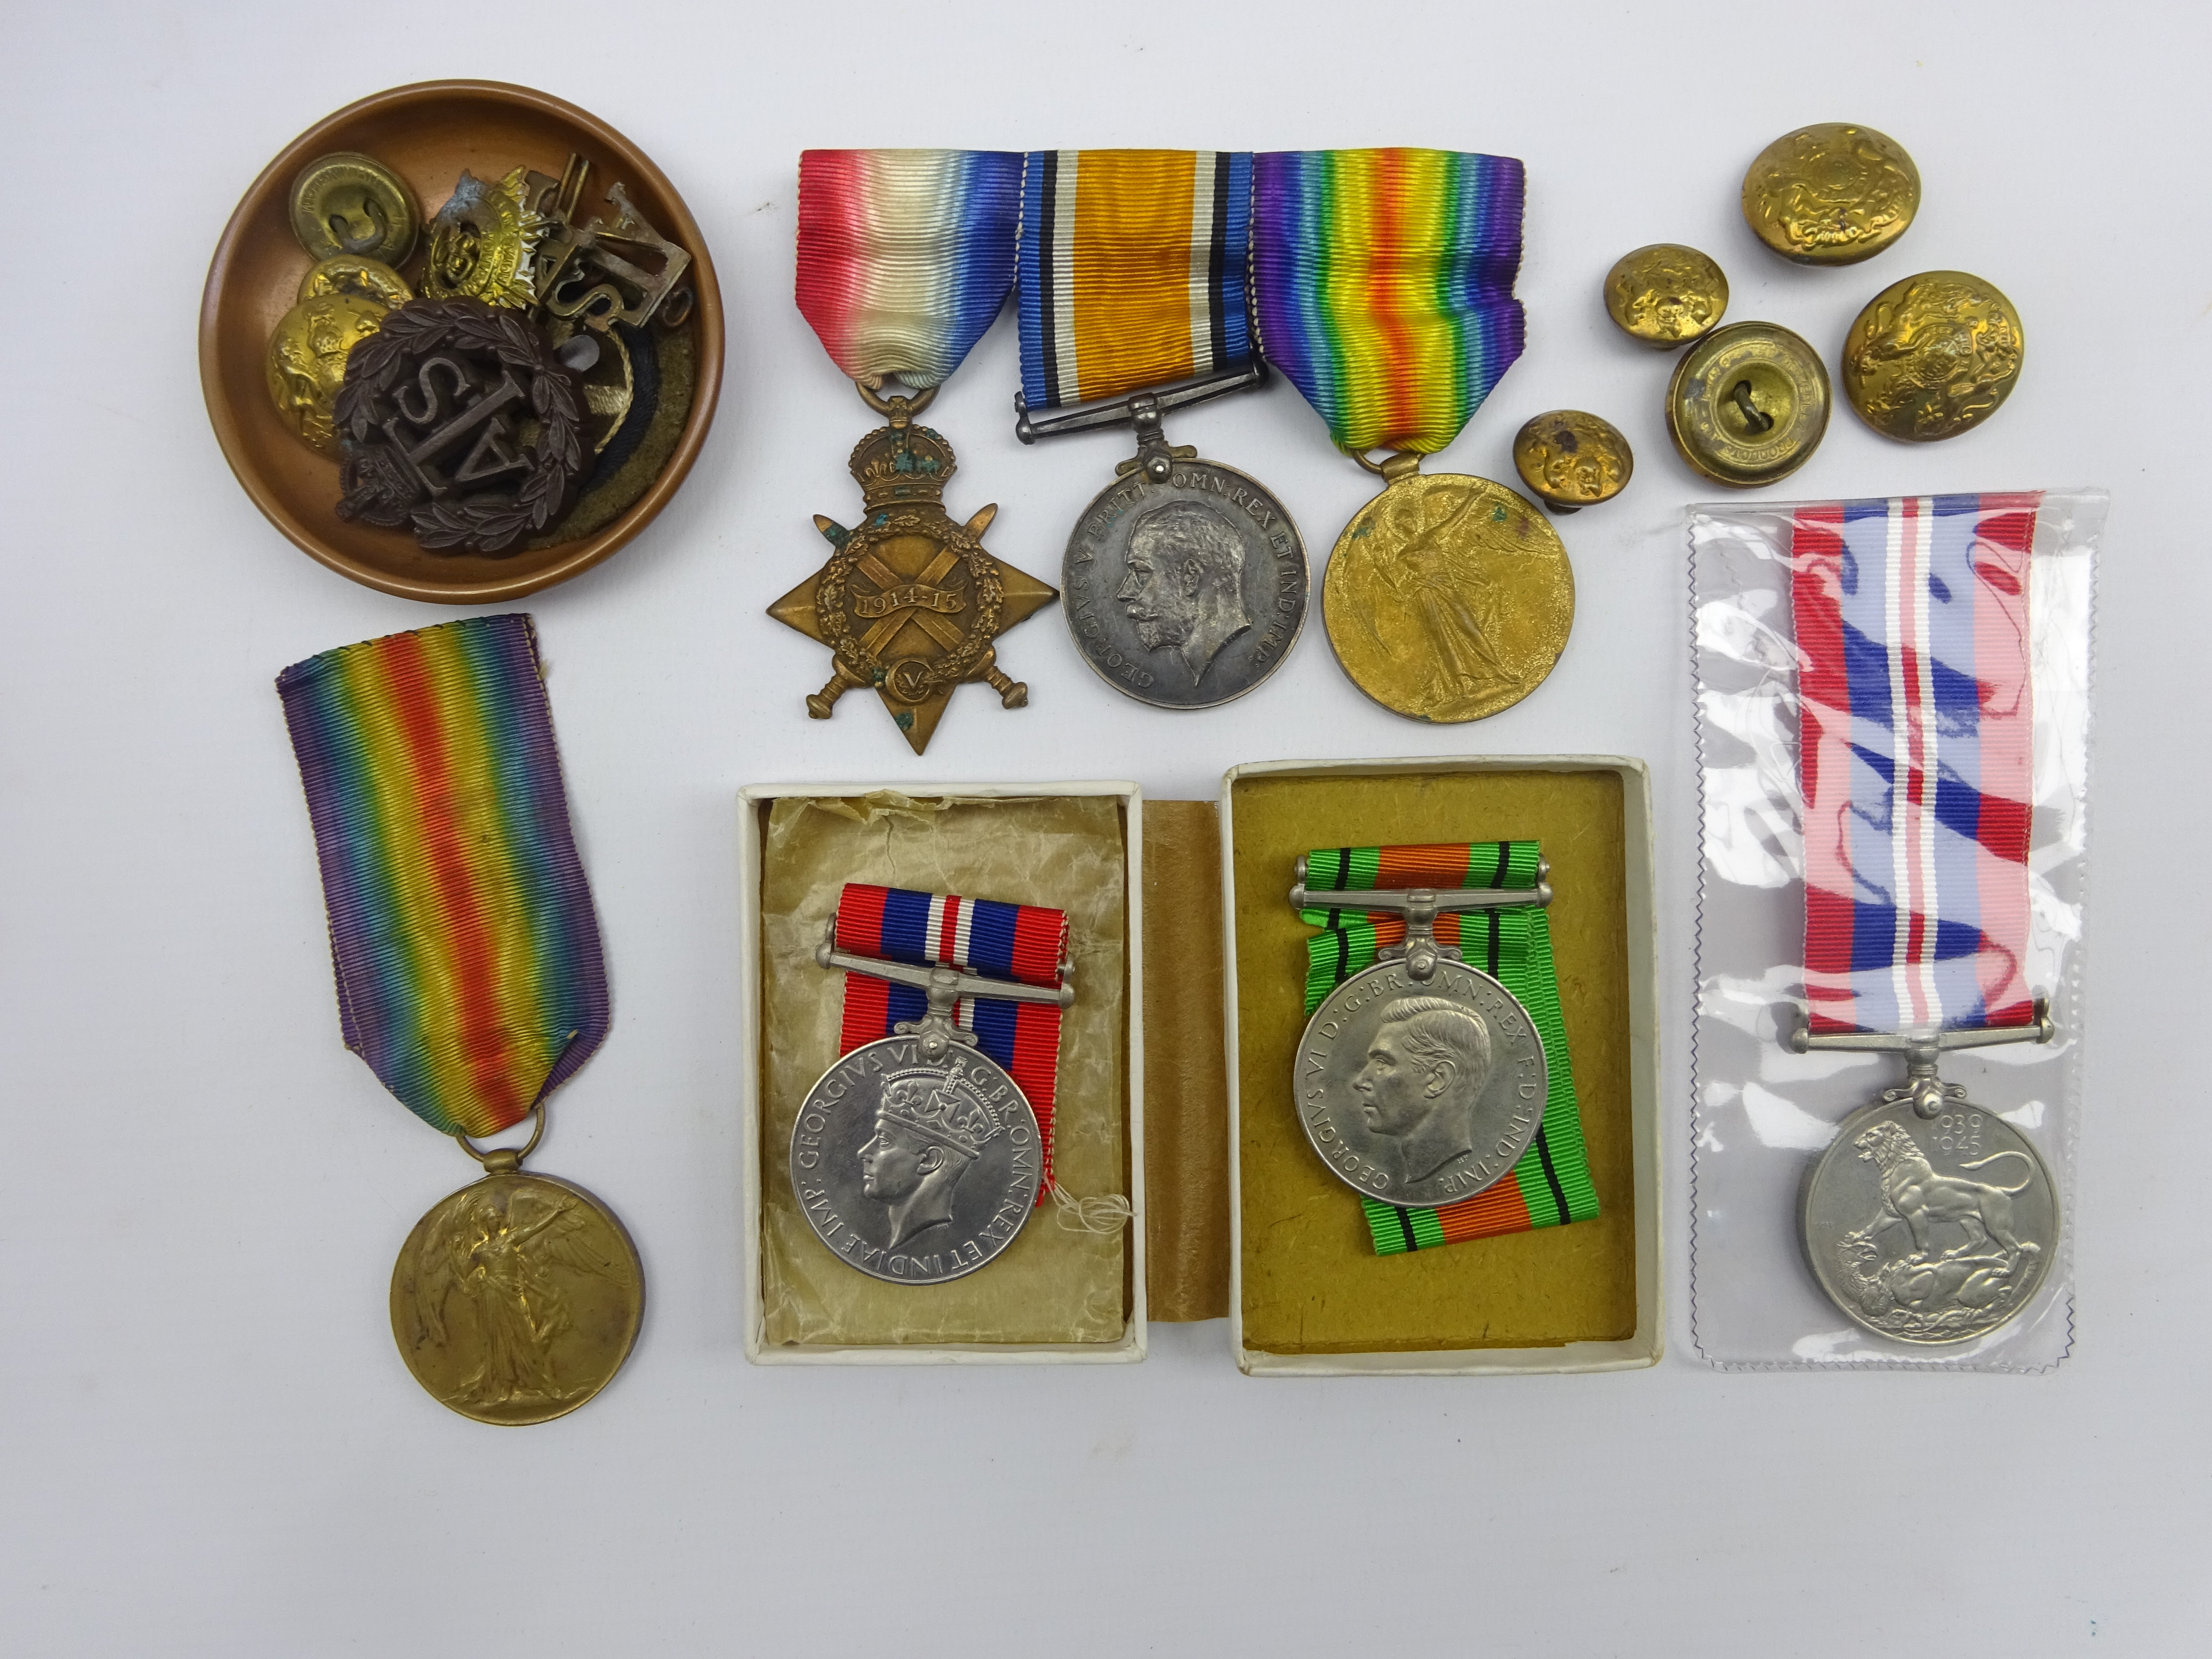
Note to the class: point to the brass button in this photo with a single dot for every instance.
(357, 273)
(1932, 355)
(347, 202)
(306, 360)
(1747, 404)
(1830, 195)
(1665, 295)
(1573, 459)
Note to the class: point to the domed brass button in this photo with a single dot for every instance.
(1573, 459)
(1932, 355)
(1748, 405)
(346, 203)
(1665, 295)
(355, 273)
(1832, 194)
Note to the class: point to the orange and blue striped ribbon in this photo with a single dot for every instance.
(905, 255)
(1026, 944)
(1550, 1185)
(469, 970)
(1131, 270)
(1382, 284)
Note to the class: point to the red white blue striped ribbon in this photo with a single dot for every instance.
(1023, 943)
(1915, 755)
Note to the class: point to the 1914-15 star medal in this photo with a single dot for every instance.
(910, 604)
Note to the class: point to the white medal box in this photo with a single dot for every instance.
(754, 804)
(1560, 1287)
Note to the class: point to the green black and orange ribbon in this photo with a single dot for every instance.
(1550, 1185)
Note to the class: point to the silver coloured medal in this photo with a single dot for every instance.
(917, 1158)
(1184, 582)
(1420, 1080)
(1930, 1219)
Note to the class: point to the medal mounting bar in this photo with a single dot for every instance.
(1420, 906)
(1142, 410)
(943, 987)
(1927, 1093)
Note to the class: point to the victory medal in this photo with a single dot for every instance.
(1383, 289)
(904, 259)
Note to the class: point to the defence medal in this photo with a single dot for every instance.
(1928, 1219)
(918, 1155)
(904, 259)
(1382, 282)
(470, 980)
(1434, 1078)
(1185, 579)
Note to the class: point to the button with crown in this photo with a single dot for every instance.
(910, 602)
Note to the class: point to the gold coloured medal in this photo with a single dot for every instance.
(516, 1298)
(1449, 597)
(910, 602)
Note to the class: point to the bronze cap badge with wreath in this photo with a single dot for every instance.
(910, 602)
(458, 418)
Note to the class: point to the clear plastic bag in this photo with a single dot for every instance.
(1762, 1114)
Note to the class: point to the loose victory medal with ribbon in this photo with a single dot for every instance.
(1185, 581)
(904, 257)
(470, 979)
(1382, 282)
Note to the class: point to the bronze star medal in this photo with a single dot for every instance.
(910, 602)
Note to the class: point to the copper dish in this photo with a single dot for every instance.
(427, 133)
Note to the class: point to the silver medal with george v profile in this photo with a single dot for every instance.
(916, 1157)
(1184, 581)
(1930, 1219)
(1420, 1080)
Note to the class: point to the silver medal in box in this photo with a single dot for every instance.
(917, 1158)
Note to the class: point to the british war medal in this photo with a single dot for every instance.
(470, 979)
(1383, 282)
(1434, 1078)
(1184, 581)
(1928, 1219)
(905, 257)
(919, 1154)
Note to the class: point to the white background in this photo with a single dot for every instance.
(207, 1442)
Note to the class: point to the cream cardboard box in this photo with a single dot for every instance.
(1233, 1213)
(1060, 1293)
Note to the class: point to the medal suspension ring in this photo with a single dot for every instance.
(412, 331)
(960, 662)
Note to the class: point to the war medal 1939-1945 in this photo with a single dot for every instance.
(904, 259)
(471, 979)
(1185, 581)
(1928, 1218)
(919, 1154)
(1382, 283)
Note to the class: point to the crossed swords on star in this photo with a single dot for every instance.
(909, 599)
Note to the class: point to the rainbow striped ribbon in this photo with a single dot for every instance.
(1131, 270)
(1382, 283)
(1915, 749)
(467, 956)
(1024, 943)
(1550, 1185)
(905, 255)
